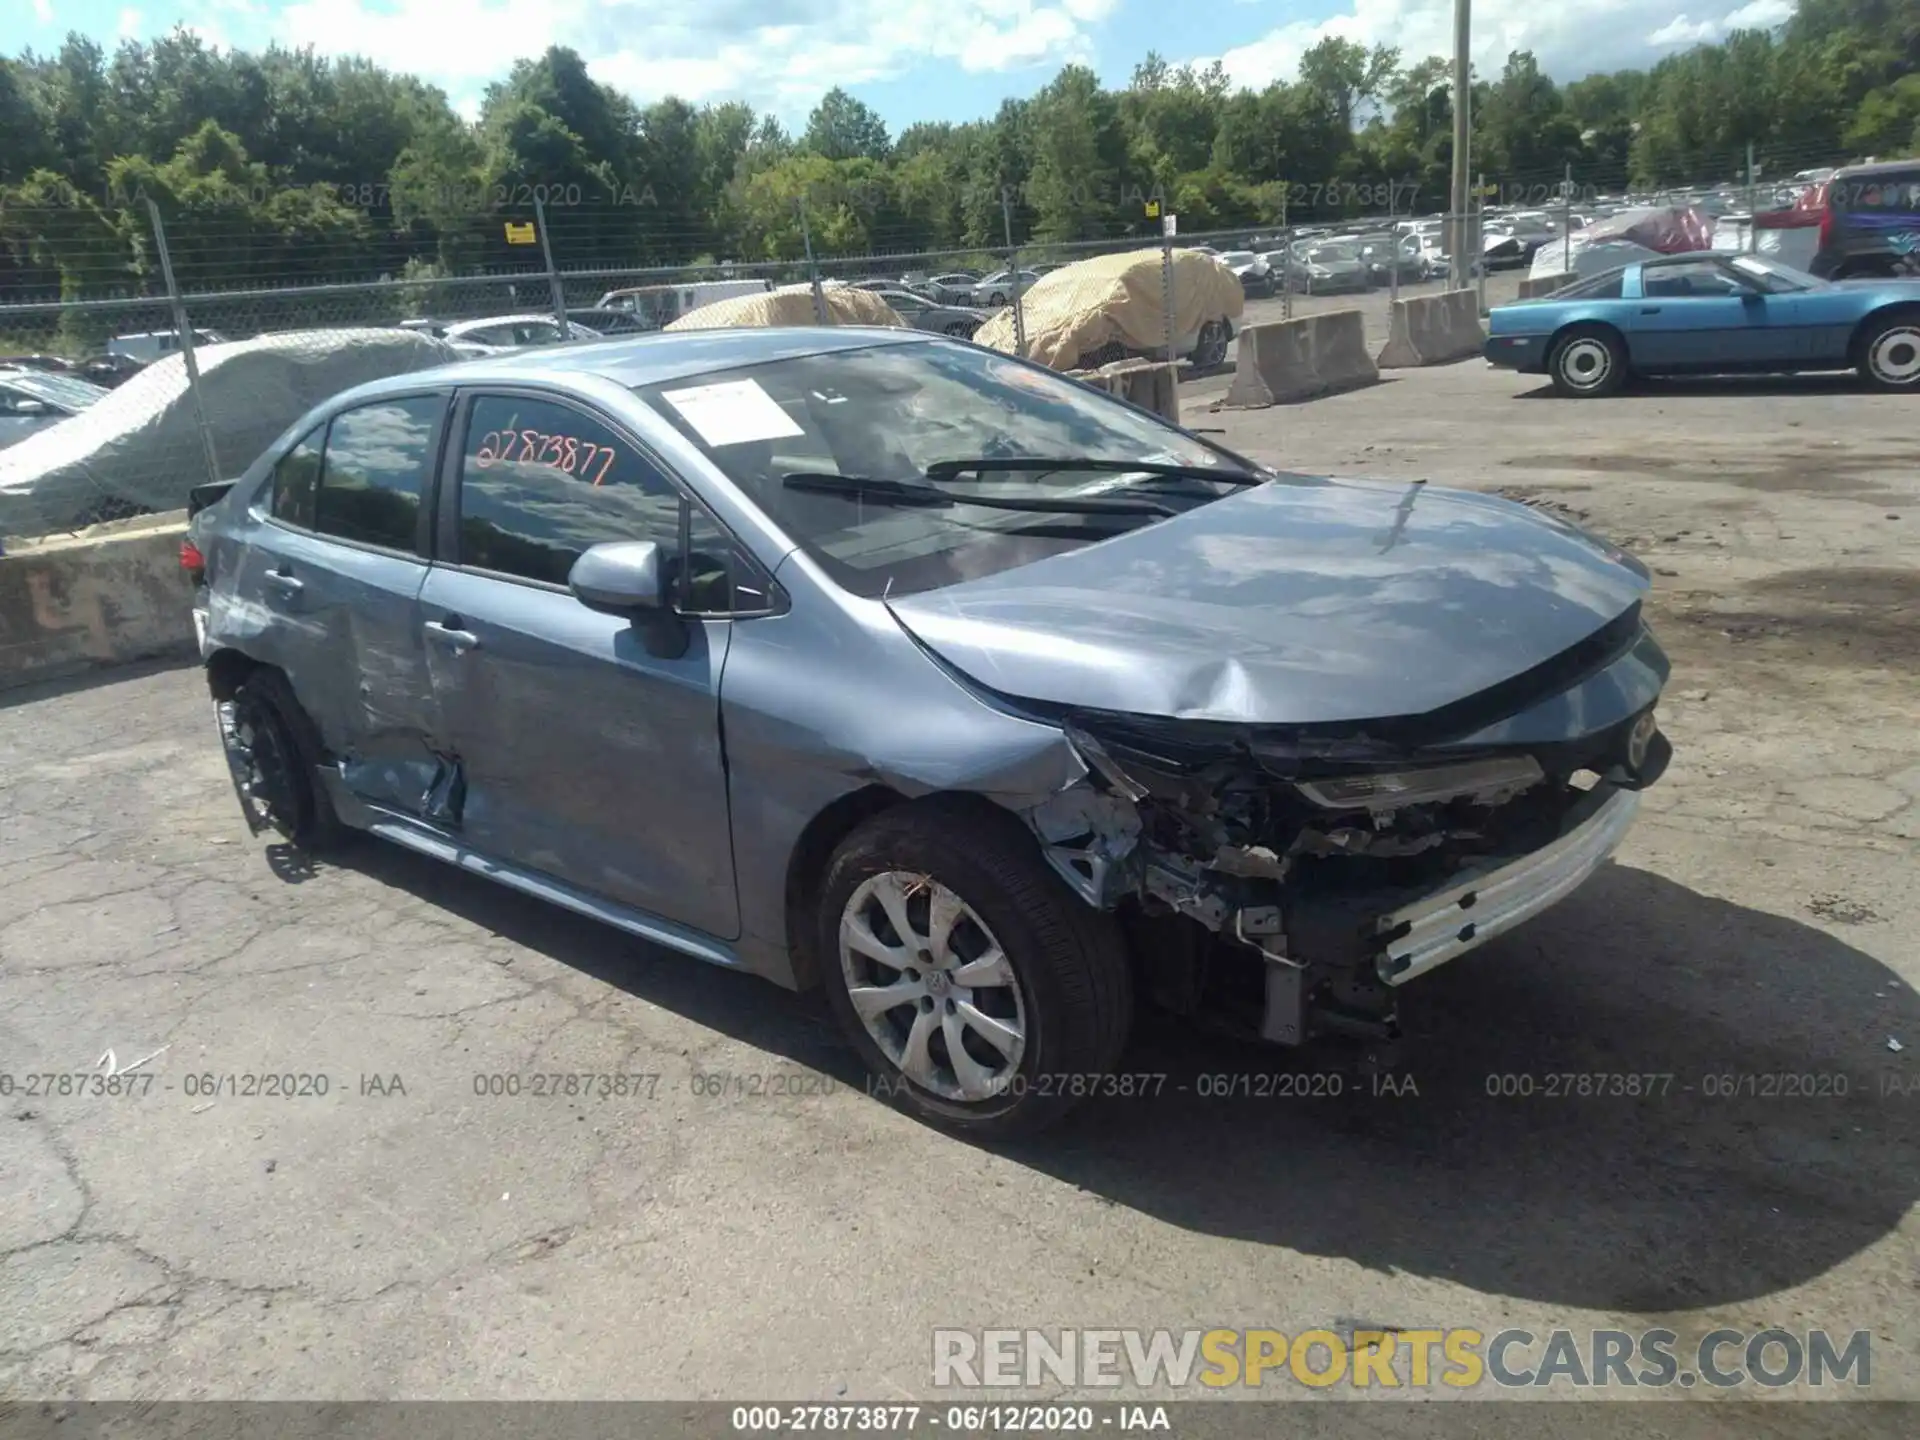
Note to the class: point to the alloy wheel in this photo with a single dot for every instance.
(263, 767)
(1586, 363)
(1894, 356)
(932, 987)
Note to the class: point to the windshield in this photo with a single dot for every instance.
(62, 390)
(1332, 254)
(888, 413)
(1238, 257)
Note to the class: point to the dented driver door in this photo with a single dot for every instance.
(583, 751)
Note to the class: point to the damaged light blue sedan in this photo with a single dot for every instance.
(877, 661)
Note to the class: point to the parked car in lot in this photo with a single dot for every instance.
(1001, 286)
(52, 364)
(953, 288)
(511, 332)
(609, 322)
(1710, 313)
(1384, 254)
(1113, 307)
(1329, 267)
(146, 346)
(1252, 271)
(922, 314)
(109, 370)
(31, 400)
(658, 306)
(1868, 219)
(879, 662)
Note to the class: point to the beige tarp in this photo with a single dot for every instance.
(1090, 303)
(792, 305)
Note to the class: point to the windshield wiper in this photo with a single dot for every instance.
(1035, 464)
(900, 492)
(906, 492)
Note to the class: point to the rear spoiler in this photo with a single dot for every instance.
(210, 493)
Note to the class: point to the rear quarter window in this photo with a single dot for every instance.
(1598, 287)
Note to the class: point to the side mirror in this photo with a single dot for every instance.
(629, 578)
(623, 577)
(27, 409)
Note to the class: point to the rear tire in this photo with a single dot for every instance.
(1890, 352)
(1000, 959)
(1588, 362)
(1210, 348)
(273, 749)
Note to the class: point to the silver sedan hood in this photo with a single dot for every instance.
(1300, 602)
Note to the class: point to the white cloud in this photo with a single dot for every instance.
(782, 55)
(43, 11)
(1682, 31)
(129, 24)
(1568, 38)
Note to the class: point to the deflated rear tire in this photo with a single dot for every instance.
(273, 748)
(1587, 362)
(983, 995)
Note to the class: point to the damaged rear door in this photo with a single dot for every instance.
(329, 588)
(586, 750)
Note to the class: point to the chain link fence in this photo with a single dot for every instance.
(192, 339)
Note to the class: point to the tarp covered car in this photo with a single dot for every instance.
(1096, 311)
(1629, 236)
(792, 305)
(139, 447)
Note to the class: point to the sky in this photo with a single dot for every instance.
(911, 60)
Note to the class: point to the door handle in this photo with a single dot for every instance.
(450, 633)
(1649, 309)
(282, 581)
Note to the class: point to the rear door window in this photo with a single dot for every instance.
(375, 470)
(296, 481)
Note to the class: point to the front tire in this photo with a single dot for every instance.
(983, 995)
(1588, 362)
(1890, 353)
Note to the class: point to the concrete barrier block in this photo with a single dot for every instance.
(72, 603)
(1152, 385)
(1433, 330)
(1533, 287)
(1273, 365)
(1340, 358)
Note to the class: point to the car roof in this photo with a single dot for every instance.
(1883, 167)
(650, 359)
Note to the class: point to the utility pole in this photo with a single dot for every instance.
(1462, 139)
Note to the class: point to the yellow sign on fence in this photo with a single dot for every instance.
(521, 234)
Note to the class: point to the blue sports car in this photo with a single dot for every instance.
(1710, 313)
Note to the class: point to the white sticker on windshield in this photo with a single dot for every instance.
(732, 412)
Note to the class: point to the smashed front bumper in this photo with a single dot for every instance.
(1477, 907)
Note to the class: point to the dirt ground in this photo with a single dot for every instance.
(715, 1238)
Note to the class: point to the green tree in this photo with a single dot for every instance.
(843, 128)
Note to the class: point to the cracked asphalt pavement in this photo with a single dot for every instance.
(745, 1221)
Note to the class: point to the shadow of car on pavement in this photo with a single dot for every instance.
(1759, 1152)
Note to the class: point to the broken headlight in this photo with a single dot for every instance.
(1498, 778)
